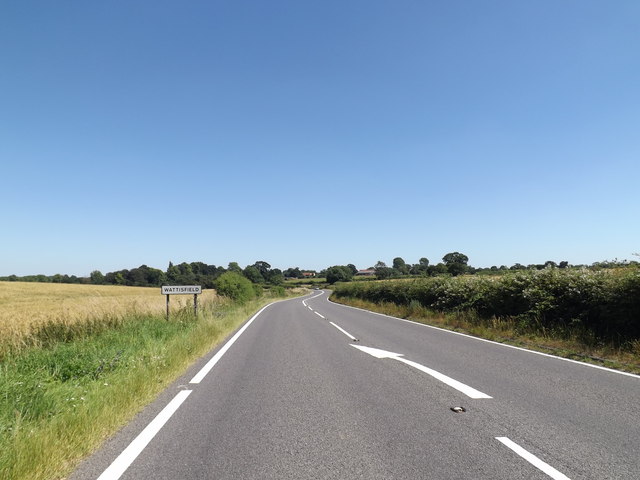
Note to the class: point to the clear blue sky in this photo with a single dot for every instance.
(317, 133)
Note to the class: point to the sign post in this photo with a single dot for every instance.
(169, 290)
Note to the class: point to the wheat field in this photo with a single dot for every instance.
(24, 306)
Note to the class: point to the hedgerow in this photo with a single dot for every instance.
(604, 303)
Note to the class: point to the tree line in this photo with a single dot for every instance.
(452, 264)
(184, 273)
(260, 272)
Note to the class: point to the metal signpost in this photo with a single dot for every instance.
(183, 290)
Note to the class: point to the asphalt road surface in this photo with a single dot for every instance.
(308, 389)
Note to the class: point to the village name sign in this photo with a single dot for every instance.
(194, 290)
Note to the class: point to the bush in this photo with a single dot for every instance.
(235, 286)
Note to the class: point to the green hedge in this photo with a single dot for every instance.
(605, 303)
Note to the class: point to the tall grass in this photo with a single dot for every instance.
(61, 398)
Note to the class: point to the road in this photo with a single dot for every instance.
(311, 390)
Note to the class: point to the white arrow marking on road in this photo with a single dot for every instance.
(461, 387)
(376, 352)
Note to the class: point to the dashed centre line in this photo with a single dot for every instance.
(345, 332)
(319, 314)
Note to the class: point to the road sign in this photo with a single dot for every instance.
(194, 290)
(182, 290)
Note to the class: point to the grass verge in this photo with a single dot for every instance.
(576, 344)
(58, 402)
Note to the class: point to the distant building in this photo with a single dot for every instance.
(366, 273)
(308, 274)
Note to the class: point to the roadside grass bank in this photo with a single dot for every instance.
(587, 316)
(61, 399)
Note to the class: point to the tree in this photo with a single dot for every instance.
(253, 274)
(136, 277)
(186, 276)
(338, 273)
(384, 273)
(97, 278)
(439, 269)
(173, 273)
(263, 268)
(275, 277)
(400, 266)
(154, 276)
(293, 273)
(353, 268)
(456, 263)
(420, 268)
(234, 267)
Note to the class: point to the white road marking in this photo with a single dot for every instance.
(491, 341)
(345, 332)
(304, 303)
(129, 454)
(461, 387)
(320, 315)
(211, 363)
(532, 459)
(310, 308)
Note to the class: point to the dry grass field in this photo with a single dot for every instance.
(24, 306)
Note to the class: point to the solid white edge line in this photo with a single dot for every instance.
(461, 387)
(319, 314)
(345, 332)
(627, 374)
(129, 454)
(532, 459)
(211, 363)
